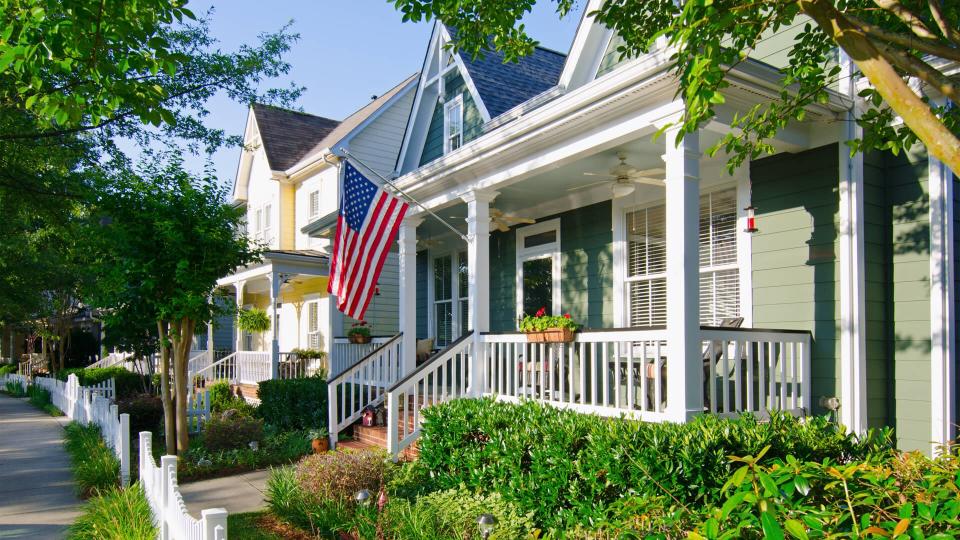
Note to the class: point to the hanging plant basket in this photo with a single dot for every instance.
(551, 335)
(359, 339)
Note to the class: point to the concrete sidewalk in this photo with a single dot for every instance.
(238, 493)
(37, 497)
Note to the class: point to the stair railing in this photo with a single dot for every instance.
(223, 369)
(443, 377)
(363, 384)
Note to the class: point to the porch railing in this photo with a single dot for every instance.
(292, 366)
(344, 354)
(441, 378)
(363, 384)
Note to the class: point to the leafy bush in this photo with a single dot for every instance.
(231, 430)
(289, 502)
(128, 383)
(116, 514)
(40, 398)
(145, 410)
(95, 467)
(453, 514)
(6, 369)
(14, 389)
(410, 480)
(222, 399)
(568, 468)
(276, 449)
(253, 320)
(290, 404)
(337, 476)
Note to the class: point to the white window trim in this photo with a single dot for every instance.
(456, 325)
(456, 101)
(621, 206)
(539, 252)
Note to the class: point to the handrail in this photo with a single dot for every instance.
(448, 374)
(334, 378)
(223, 360)
(362, 385)
(430, 361)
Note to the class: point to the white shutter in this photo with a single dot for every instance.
(314, 203)
(258, 224)
(267, 230)
(313, 317)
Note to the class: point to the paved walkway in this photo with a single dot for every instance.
(239, 493)
(36, 487)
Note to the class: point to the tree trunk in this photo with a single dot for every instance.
(184, 336)
(169, 418)
(940, 141)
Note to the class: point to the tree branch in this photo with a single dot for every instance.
(926, 72)
(913, 22)
(949, 32)
(909, 42)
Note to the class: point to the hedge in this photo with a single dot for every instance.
(567, 468)
(128, 383)
(291, 404)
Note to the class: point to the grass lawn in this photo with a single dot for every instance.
(260, 526)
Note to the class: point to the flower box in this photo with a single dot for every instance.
(551, 335)
(359, 339)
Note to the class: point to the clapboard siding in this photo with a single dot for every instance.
(879, 297)
(472, 119)
(378, 144)
(384, 309)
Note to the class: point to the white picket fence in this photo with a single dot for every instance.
(13, 378)
(86, 406)
(198, 411)
(170, 514)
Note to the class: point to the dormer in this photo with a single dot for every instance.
(457, 95)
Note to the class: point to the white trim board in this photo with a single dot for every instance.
(942, 312)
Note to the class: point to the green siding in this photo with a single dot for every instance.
(878, 295)
(453, 84)
(795, 267)
(907, 228)
(586, 262)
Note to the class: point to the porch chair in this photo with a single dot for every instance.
(424, 349)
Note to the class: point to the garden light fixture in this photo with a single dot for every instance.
(362, 497)
(486, 523)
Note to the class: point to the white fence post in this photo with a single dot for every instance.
(167, 464)
(214, 523)
(123, 442)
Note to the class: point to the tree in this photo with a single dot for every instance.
(169, 237)
(890, 41)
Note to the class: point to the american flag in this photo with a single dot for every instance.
(366, 227)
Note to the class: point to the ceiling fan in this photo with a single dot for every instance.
(505, 221)
(625, 177)
(428, 243)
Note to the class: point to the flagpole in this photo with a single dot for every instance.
(405, 195)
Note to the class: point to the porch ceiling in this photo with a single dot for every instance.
(567, 187)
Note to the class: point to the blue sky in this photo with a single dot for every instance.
(348, 51)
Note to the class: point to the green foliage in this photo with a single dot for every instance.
(359, 328)
(568, 467)
(231, 430)
(288, 501)
(6, 369)
(249, 526)
(453, 513)
(95, 467)
(309, 354)
(40, 398)
(145, 410)
(289, 404)
(334, 477)
(253, 320)
(115, 514)
(276, 448)
(15, 389)
(410, 480)
(541, 321)
(222, 399)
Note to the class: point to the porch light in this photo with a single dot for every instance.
(622, 189)
(751, 220)
(486, 523)
(362, 497)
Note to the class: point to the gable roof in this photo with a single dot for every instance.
(504, 86)
(353, 121)
(288, 135)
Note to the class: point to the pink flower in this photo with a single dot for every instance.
(566, 315)
(541, 312)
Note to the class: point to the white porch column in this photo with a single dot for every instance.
(684, 356)
(478, 278)
(408, 291)
(236, 326)
(275, 280)
(942, 316)
(853, 344)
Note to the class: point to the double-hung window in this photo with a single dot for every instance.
(451, 300)
(314, 204)
(646, 265)
(453, 124)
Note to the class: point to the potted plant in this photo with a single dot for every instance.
(253, 320)
(319, 440)
(359, 333)
(543, 328)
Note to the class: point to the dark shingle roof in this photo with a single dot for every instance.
(288, 135)
(504, 86)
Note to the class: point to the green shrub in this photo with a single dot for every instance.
(38, 396)
(116, 514)
(222, 399)
(128, 383)
(276, 449)
(568, 468)
(145, 410)
(289, 404)
(95, 467)
(453, 513)
(410, 480)
(14, 389)
(231, 430)
(6, 369)
(337, 476)
(287, 500)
